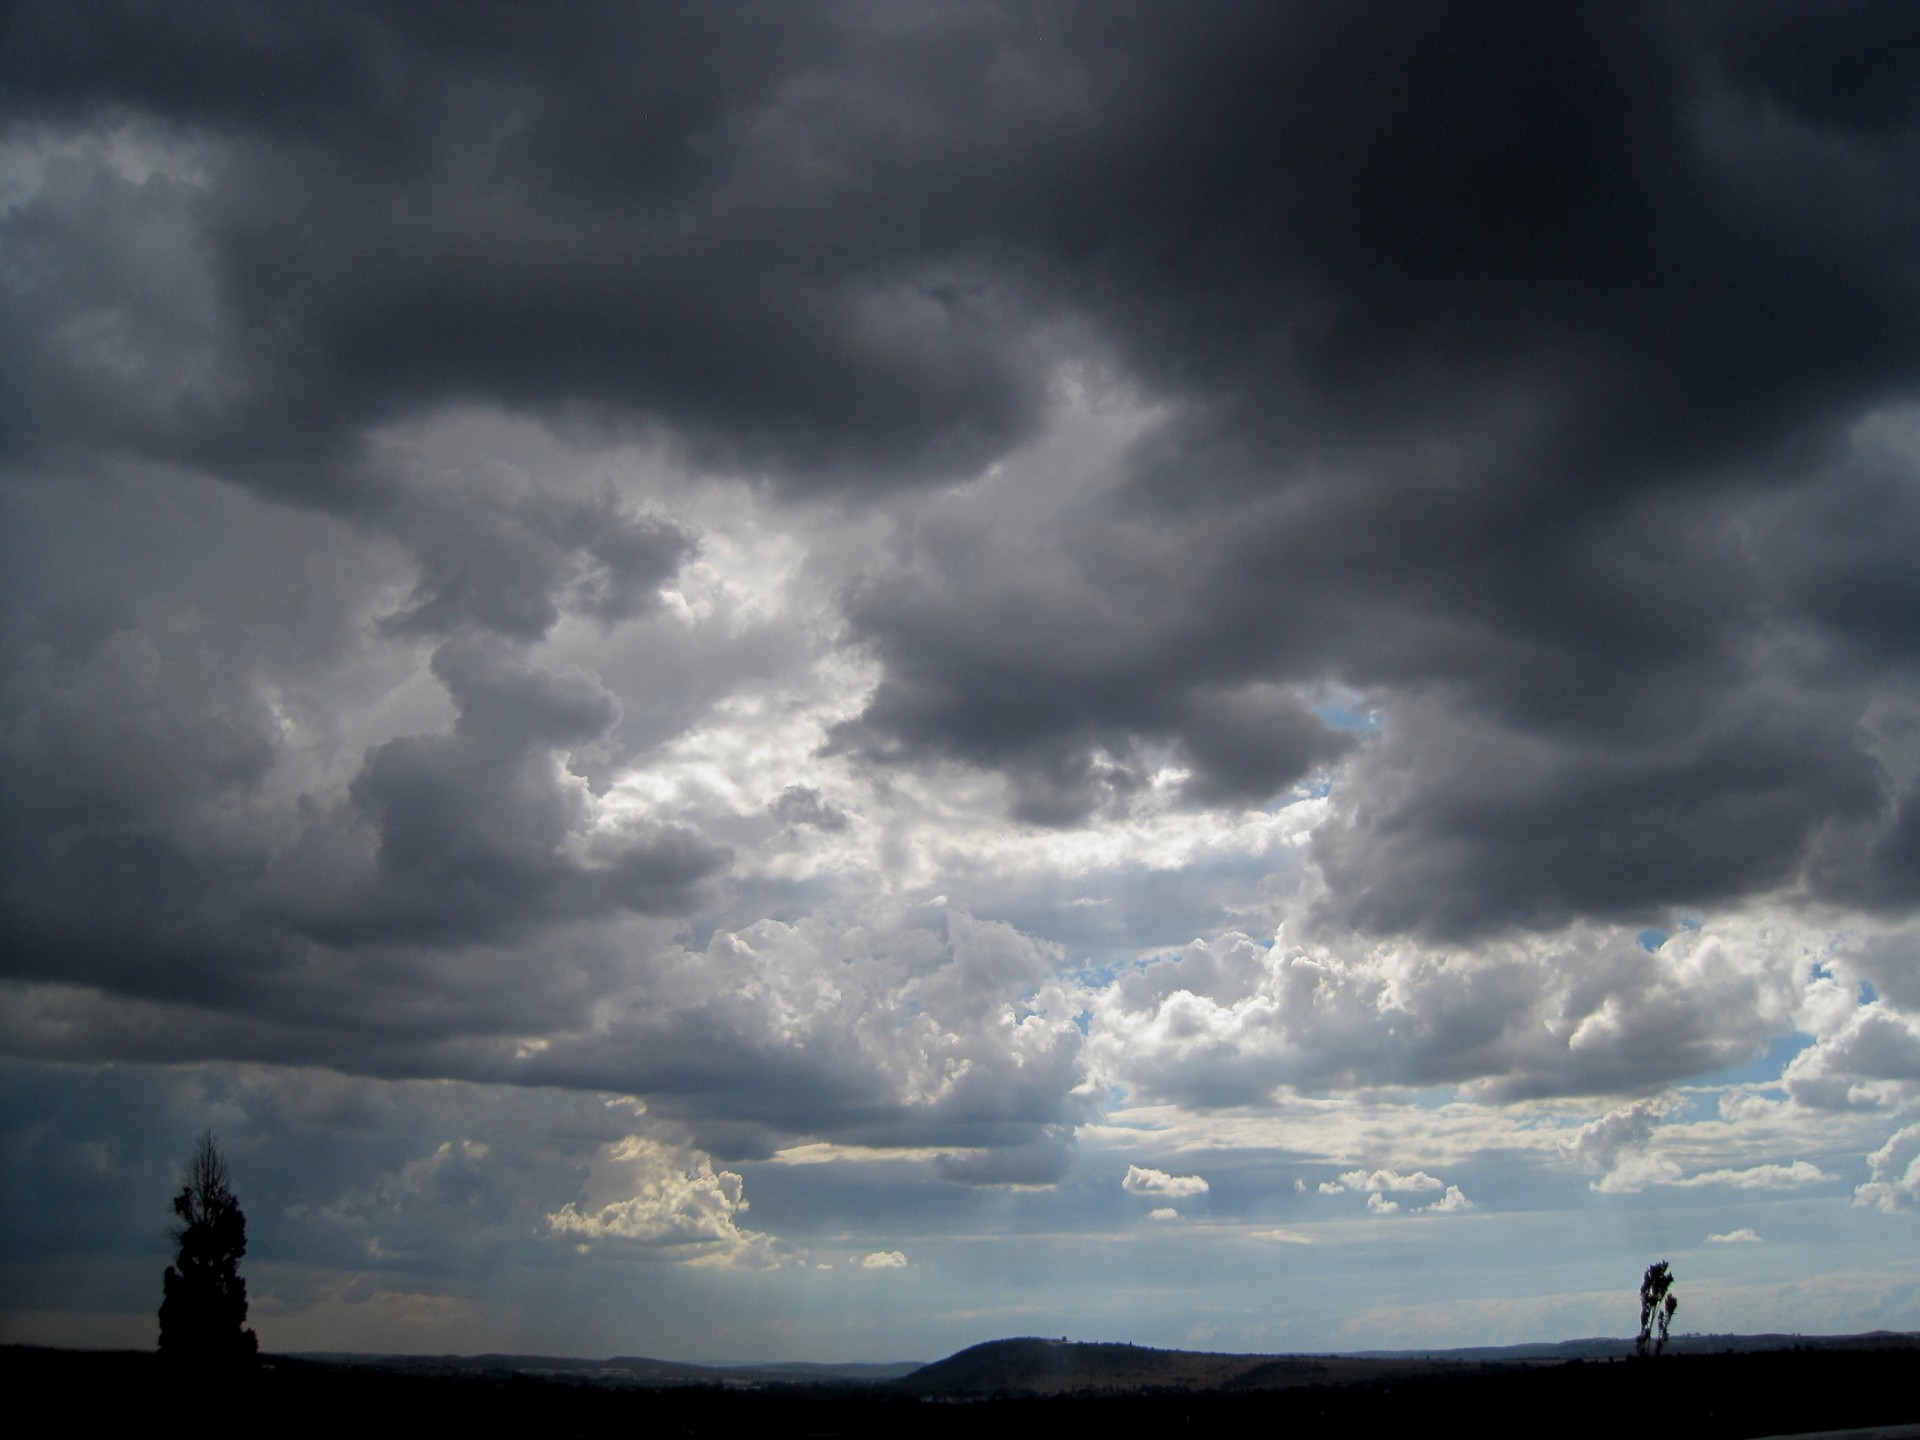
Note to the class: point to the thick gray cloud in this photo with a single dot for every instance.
(644, 215)
(1477, 333)
(475, 826)
(1487, 407)
(803, 805)
(514, 568)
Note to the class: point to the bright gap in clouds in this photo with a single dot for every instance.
(801, 701)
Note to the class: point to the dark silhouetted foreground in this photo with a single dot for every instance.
(1703, 1397)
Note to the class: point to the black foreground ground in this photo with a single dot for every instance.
(1697, 1397)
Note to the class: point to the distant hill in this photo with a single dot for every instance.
(1033, 1366)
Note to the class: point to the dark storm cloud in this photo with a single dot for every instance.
(1560, 831)
(515, 566)
(634, 216)
(1509, 363)
(144, 854)
(1494, 336)
(804, 805)
(474, 826)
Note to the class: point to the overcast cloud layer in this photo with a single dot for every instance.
(690, 666)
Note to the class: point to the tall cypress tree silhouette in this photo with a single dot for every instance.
(204, 1313)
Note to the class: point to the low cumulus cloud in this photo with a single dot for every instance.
(664, 1197)
(1585, 1010)
(1388, 1180)
(1895, 1173)
(1143, 1181)
(884, 1260)
(1759, 1177)
(1616, 1144)
(1870, 1061)
(1621, 1145)
(1742, 1236)
(1377, 1185)
(387, 1183)
(896, 1035)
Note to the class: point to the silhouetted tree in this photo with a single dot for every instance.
(204, 1313)
(1657, 1304)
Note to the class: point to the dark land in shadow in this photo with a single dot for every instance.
(1013, 1387)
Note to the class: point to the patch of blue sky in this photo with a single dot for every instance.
(1100, 976)
(1343, 708)
(1431, 1097)
(1651, 940)
(1763, 1069)
(1339, 716)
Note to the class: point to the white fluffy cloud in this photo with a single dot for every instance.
(1451, 1202)
(1388, 1180)
(1895, 1171)
(1742, 1236)
(884, 1260)
(892, 1032)
(1378, 1184)
(1142, 1181)
(1622, 1145)
(1600, 1144)
(666, 1197)
(1869, 1061)
(1582, 1009)
(1616, 1144)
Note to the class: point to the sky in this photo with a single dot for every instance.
(822, 681)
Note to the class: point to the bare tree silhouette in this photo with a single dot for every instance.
(203, 1315)
(1657, 1304)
